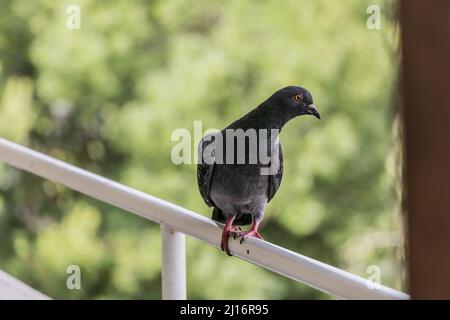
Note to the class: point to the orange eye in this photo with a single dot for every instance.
(298, 97)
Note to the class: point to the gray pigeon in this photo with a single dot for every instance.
(240, 168)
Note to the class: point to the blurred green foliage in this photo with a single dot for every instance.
(108, 96)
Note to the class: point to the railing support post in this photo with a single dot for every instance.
(173, 264)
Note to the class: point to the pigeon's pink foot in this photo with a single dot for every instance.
(246, 234)
(235, 229)
(228, 230)
(253, 232)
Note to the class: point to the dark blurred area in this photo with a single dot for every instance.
(426, 96)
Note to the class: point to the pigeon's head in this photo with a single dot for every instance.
(297, 100)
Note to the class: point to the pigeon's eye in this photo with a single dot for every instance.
(298, 97)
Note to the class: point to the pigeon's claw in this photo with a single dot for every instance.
(225, 236)
(246, 234)
(228, 230)
(253, 232)
(224, 243)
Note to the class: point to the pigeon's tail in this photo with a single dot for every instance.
(242, 219)
(218, 215)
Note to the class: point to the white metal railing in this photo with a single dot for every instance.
(13, 289)
(176, 221)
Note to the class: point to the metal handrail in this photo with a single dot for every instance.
(14, 289)
(177, 221)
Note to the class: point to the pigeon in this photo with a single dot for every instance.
(240, 168)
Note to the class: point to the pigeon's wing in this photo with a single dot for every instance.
(205, 168)
(275, 179)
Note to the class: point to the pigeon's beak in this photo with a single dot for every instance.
(311, 109)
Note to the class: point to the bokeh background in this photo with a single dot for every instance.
(107, 97)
